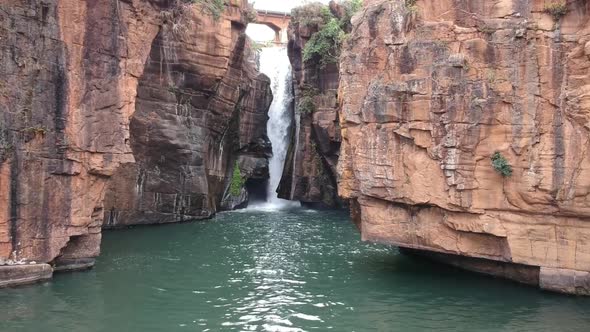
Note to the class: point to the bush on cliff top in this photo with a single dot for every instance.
(212, 7)
(350, 8)
(311, 14)
(325, 44)
(556, 9)
(177, 9)
(178, 15)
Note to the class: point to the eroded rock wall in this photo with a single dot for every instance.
(309, 175)
(69, 72)
(201, 108)
(74, 73)
(430, 92)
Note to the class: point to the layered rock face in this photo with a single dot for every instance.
(201, 109)
(74, 72)
(429, 92)
(309, 175)
(70, 70)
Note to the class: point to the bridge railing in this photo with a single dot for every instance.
(273, 13)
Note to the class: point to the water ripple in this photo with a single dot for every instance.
(276, 271)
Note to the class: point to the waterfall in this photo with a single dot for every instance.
(274, 62)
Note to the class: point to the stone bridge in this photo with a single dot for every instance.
(277, 21)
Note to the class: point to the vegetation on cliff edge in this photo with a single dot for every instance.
(212, 7)
(326, 42)
(556, 9)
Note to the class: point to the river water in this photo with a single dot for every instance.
(294, 270)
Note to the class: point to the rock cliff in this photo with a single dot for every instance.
(430, 91)
(201, 109)
(74, 74)
(309, 175)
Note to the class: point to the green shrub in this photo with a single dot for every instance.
(501, 165)
(312, 14)
(178, 14)
(556, 9)
(237, 181)
(325, 44)
(6, 145)
(177, 11)
(306, 105)
(350, 8)
(212, 7)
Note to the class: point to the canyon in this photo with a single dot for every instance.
(120, 113)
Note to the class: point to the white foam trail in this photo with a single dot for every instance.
(274, 62)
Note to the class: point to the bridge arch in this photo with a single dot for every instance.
(277, 21)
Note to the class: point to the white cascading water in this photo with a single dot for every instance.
(274, 62)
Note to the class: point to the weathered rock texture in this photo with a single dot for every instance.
(72, 77)
(309, 175)
(201, 107)
(429, 93)
(70, 70)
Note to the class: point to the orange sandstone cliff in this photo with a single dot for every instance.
(430, 90)
(201, 109)
(309, 175)
(76, 75)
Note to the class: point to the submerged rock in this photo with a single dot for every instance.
(16, 275)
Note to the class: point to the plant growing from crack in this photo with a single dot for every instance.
(557, 10)
(491, 76)
(411, 6)
(35, 130)
(501, 165)
(306, 103)
(211, 7)
(237, 181)
(6, 145)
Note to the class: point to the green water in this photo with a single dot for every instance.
(276, 271)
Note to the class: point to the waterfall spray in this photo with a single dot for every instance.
(274, 62)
